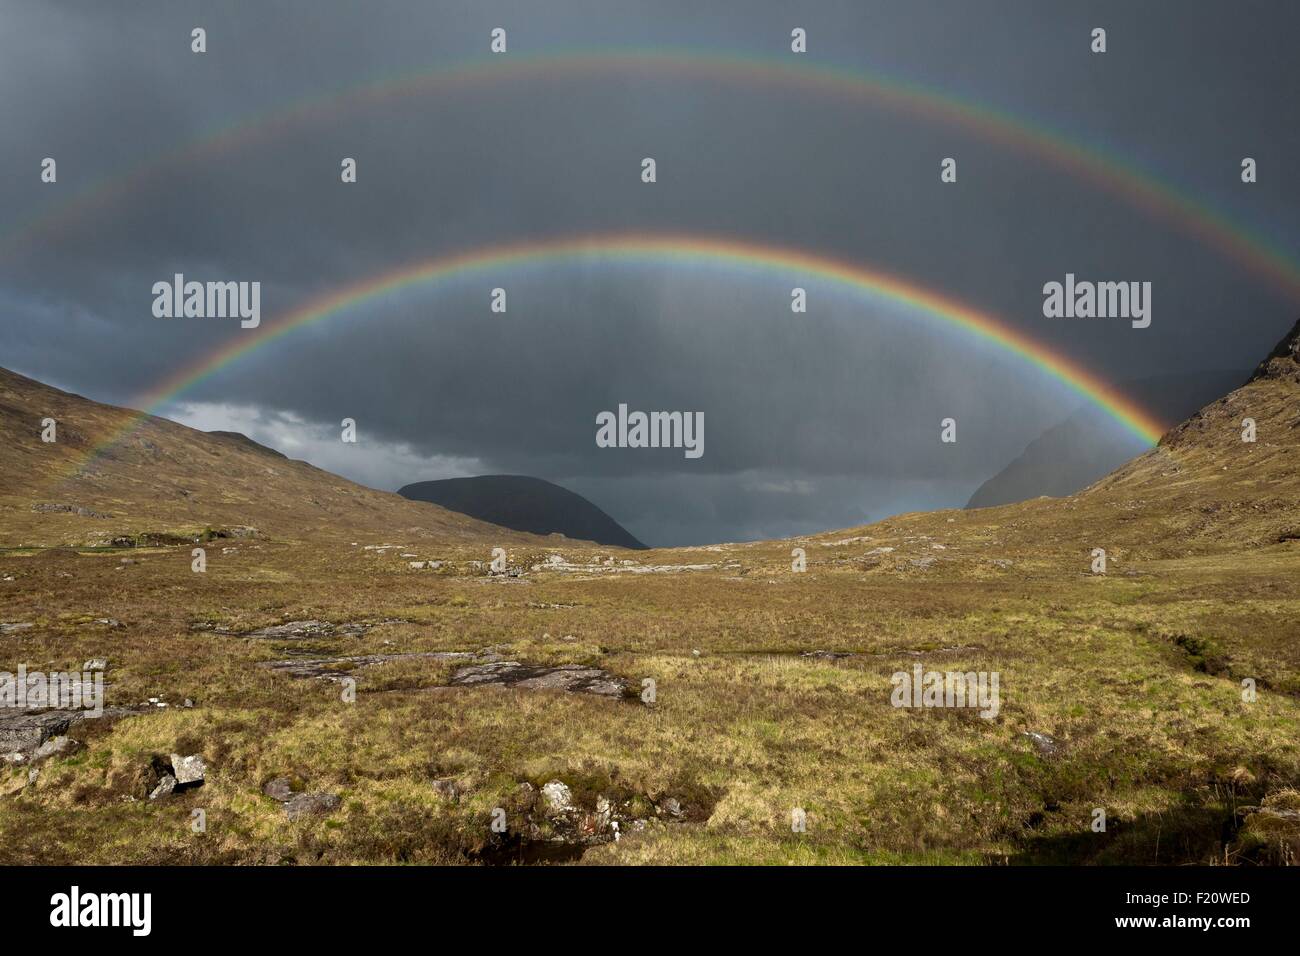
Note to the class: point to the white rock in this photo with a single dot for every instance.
(188, 770)
(558, 797)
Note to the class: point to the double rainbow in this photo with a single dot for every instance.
(624, 247)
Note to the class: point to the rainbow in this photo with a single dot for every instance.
(1101, 168)
(671, 249)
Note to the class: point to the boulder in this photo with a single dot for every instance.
(189, 771)
(1045, 744)
(279, 789)
(311, 804)
(25, 732)
(557, 797)
(60, 746)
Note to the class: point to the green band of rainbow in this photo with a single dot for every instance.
(1103, 169)
(796, 264)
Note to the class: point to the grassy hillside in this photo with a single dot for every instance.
(109, 476)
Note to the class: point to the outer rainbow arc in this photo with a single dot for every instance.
(658, 248)
(1105, 170)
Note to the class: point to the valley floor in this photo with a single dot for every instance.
(770, 702)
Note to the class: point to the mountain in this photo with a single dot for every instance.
(1086, 446)
(524, 504)
(1201, 490)
(112, 474)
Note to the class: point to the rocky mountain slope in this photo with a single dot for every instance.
(1087, 446)
(1201, 490)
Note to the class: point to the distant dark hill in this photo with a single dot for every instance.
(522, 503)
(1087, 446)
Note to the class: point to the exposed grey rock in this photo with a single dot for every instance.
(189, 771)
(627, 567)
(311, 804)
(1044, 743)
(294, 629)
(77, 510)
(25, 732)
(279, 789)
(166, 786)
(95, 664)
(337, 668)
(14, 627)
(61, 746)
(574, 678)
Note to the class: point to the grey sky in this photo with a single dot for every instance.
(813, 420)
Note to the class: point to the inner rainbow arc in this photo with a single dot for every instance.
(796, 264)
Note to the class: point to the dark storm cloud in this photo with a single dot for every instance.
(811, 421)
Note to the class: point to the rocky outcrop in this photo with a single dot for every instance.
(337, 668)
(574, 678)
(317, 803)
(1283, 361)
(77, 510)
(293, 630)
(24, 733)
(298, 803)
